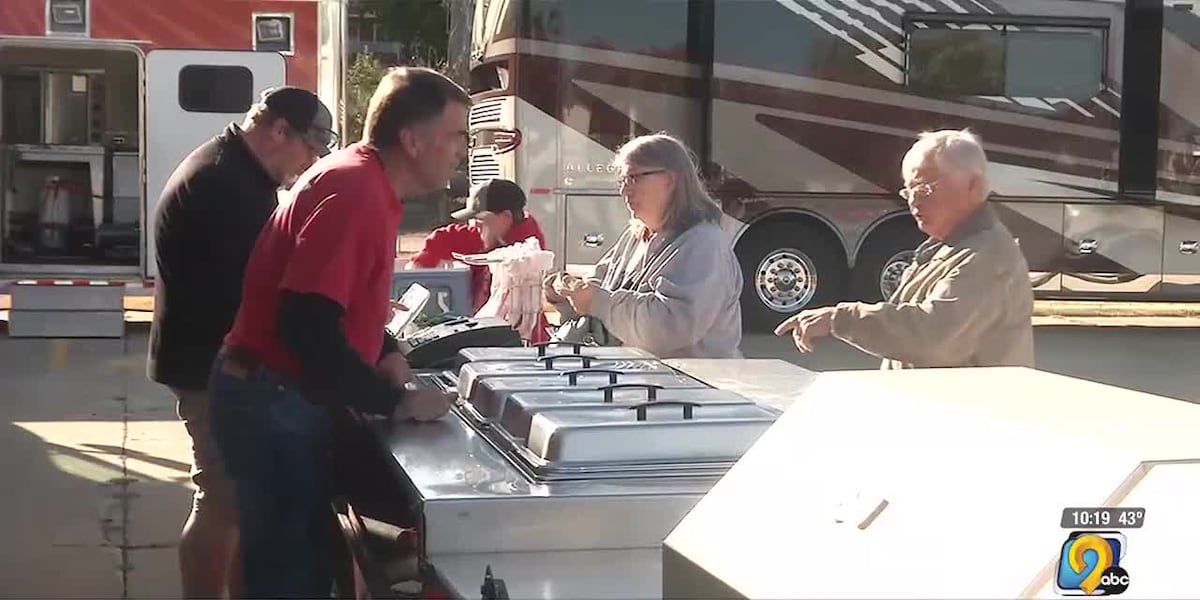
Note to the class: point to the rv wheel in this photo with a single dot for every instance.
(787, 266)
(882, 260)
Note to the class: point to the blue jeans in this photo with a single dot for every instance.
(277, 448)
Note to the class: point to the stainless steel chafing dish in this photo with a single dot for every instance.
(552, 365)
(489, 399)
(519, 408)
(542, 469)
(655, 437)
(647, 433)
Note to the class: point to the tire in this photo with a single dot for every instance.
(882, 259)
(772, 252)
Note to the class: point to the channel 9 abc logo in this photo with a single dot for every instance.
(1090, 564)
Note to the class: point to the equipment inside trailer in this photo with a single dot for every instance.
(69, 155)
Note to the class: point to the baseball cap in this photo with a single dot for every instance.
(305, 112)
(497, 195)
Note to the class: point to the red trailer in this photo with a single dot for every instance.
(100, 99)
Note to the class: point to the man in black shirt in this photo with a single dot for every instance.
(206, 223)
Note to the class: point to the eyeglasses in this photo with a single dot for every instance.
(632, 178)
(922, 190)
(320, 139)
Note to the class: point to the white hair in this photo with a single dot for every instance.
(956, 150)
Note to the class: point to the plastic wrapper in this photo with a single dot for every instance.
(517, 274)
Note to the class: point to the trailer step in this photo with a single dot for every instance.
(67, 309)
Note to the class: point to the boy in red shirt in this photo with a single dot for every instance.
(496, 217)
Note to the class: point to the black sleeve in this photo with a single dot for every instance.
(310, 328)
(389, 344)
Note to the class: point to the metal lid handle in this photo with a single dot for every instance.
(688, 407)
(573, 375)
(541, 346)
(651, 390)
(549, 360)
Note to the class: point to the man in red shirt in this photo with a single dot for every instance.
(496, 217)
(309, 335)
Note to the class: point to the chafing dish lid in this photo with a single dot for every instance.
(654, 432)
(518, 410)
(490, 393)
(551, 348)
(551, 366)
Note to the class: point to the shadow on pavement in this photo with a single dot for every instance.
(176, 465)
(62, 521)
(96, 472)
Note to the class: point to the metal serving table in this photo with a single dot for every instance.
(905, 484)
(583, 538)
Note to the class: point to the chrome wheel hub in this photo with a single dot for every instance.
(892, 271)
(786, 280)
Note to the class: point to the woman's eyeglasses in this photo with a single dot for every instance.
(632, 178)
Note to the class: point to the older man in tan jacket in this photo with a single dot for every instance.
(966, 300)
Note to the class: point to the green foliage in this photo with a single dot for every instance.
(362, 76)
(421, 26)
(421, 29)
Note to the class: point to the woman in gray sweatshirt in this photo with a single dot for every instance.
(671, 284)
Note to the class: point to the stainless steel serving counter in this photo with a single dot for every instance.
(768, 382)
(559, 539)
(473, 500)
(582, 574)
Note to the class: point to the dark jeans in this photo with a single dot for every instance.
(277, 448)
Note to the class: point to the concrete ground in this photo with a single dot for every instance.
(96, 472)
(96, 463)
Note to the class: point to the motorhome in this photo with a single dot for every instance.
(799, 112)
(101, 99)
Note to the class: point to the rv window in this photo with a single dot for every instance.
(216, 88)
(67, 16)
(273, 33)
(956, 62)
(1054, 64)
(649, 27)
(489, 77)
(1014, 62)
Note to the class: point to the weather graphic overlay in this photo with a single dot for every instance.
(1090, 564)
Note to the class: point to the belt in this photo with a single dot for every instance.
(243, 364)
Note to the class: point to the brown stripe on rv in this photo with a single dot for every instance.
(876, 157)
(546, 74)
(915, 120)
(541, 77)
(995, 132)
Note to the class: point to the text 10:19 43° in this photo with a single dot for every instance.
(1103, 518)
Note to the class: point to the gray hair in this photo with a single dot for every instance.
(690, 203)
(258, 115)
(954, 150)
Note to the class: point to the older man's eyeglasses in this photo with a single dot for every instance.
(320, 139)
(632, 178)
(921, 190)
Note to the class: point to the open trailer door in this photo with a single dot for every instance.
(191, 95)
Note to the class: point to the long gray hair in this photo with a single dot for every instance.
(690, 204)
